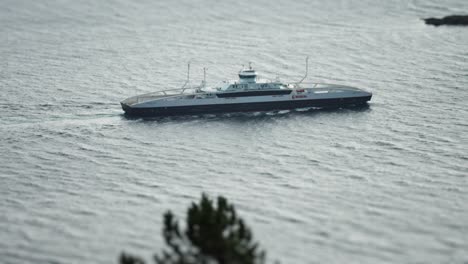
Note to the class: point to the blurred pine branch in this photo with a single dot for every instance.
(214, 234)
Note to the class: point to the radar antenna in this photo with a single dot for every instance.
(307, 70)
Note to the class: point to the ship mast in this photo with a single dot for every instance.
(204, 77)
(307, 70)
(188, 75)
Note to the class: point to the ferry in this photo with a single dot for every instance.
(247, 94)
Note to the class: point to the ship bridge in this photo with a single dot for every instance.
(248, 75)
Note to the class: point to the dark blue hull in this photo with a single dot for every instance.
(244, 107)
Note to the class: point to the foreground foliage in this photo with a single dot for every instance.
(213, 234)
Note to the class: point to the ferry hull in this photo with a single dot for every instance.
(244, 107)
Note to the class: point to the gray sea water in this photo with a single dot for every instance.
(79, 182)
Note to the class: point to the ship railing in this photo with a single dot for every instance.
(309, 85)
(165, 93)
(320, 86)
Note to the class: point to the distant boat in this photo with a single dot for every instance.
(244, 95)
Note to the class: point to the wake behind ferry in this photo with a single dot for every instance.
(246, 94)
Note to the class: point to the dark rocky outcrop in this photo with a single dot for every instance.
(448, 20)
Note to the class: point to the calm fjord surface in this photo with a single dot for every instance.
(383, 184)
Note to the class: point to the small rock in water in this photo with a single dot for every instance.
(448, 20)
